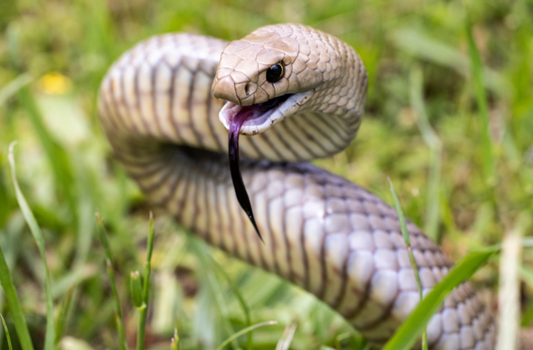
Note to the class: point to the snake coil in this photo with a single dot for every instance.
(160, 106)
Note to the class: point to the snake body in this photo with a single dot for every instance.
(160, 105)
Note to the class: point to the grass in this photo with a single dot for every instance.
(407, 239)
(119, 322)
(448, 118)
(39, 239)
(143, 308)
(14, 307)
(8, 337)
(414, 325)
(244, 331)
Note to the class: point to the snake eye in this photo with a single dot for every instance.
(275, 73)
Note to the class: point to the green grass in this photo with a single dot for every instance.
(119, 320)
(143, 308)
(8, 337)
(411, 329)
(407, 239)
(448, 118)
(244, 331)
(14, 307)
(39, 239)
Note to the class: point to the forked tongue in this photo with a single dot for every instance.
(235, 125)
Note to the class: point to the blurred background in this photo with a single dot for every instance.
(452, 130)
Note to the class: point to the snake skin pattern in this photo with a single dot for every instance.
(321, 232)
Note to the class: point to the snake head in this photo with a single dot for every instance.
(244, 75)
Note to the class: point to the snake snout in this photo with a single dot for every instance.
(224, 89)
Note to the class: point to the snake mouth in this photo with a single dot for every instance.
(261, 116)
(250, 120)
(237, 119)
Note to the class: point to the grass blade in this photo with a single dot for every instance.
(57, 156)
(428, 48)
(174, 342)
(212, 291)
(407, 240)
(410, 330)
(481, 97)
(136, 290)
(7, 333)
(111, 274)
(62, 315)
(509, 294)
(14, 86)
(146, 285)
(13, 305)
(38, 236)
(245, 330)
(288, 334)
(240, 299)
(527, 316)
(434, 143)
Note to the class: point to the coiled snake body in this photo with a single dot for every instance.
(160, 104)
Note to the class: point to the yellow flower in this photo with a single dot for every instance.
(55, 83)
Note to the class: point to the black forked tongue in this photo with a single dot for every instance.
(233, 151)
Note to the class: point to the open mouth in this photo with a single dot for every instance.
(257, 117)
(236, 117)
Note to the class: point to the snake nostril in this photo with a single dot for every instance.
(250, 88)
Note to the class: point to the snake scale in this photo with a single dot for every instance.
(163, 107)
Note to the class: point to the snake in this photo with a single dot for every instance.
(297, 94)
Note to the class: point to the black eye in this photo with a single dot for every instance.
(275, 73)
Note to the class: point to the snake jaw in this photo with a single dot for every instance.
(265, 114)
(255, 122)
